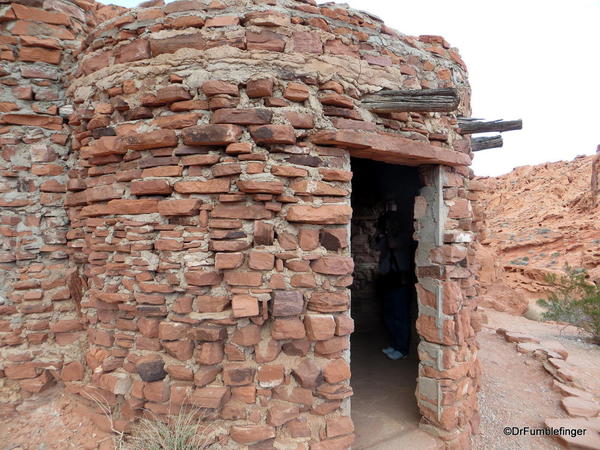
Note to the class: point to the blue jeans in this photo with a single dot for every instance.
(396, 309)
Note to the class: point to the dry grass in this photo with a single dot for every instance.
(188, 429)
(183, 431)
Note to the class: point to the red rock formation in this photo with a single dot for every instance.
(537, 219)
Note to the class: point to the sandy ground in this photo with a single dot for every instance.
(516, 389)
(48, 421)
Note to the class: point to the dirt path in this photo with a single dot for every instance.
(516, 388)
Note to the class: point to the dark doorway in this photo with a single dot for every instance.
(384, 405)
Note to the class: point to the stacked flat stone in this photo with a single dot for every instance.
(208, 198)
(41, 331)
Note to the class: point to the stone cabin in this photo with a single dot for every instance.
(177, 187)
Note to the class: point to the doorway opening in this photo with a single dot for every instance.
(384, 302)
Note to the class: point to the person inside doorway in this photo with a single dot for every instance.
(394, 242)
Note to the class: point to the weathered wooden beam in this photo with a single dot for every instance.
(486, 142)
(421, 100)
(472, 126)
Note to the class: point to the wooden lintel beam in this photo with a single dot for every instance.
(472, 126)
(421, 100)
(486, 142)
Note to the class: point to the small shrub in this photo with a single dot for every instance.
(574, 300)
(184, 431)
(524, 261)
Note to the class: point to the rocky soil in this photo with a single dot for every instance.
(521, 386)
(51, 420)
(538, 218)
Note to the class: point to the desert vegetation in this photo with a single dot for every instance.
(575, 300)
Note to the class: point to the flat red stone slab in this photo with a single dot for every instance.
(390, 148)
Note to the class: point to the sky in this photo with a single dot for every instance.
(536, 60)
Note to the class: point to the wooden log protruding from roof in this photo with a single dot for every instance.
(420, 100)
(472, 126)
(486, 142)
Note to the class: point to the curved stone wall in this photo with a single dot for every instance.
(208, 198)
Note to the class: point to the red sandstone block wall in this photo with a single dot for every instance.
(206, 260)
(41, 334)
